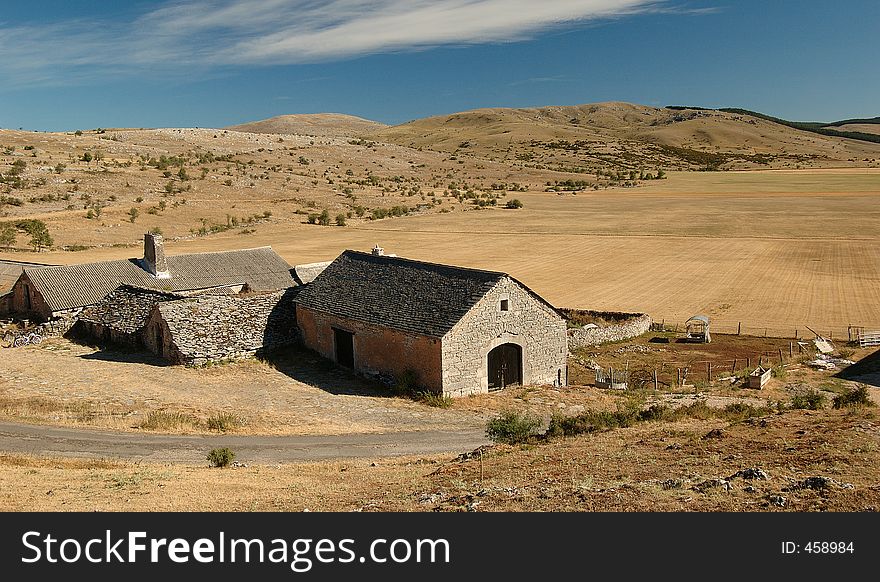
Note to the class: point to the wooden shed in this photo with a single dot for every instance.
(759, 377)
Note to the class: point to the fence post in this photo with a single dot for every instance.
(733, 368)
(709, 371)
(781, 361)
(749, 363)
(655, 380)
(790, 349)
(739, 328)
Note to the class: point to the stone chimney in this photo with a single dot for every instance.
(154, 256)
(378, 251)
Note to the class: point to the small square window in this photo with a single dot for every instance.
(505, 305)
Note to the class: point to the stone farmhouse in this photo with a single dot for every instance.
(44, 293)
(459, 331)
(450, 330)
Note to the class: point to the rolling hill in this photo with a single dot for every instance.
(317, 124)
(628, 136)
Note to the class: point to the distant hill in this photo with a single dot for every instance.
(318, 124)
(627, 136)
(836, 129)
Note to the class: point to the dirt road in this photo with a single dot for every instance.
(73, 442)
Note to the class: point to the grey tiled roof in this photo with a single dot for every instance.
(10, 271)
(69, 287)
(404, 294)
(307, 273)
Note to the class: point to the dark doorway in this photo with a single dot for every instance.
(505, 366)
(344, 347)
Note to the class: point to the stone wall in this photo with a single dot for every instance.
(529, 323)
(624, 329)
(378, 351)
(211, 328)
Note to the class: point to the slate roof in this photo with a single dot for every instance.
(126, 308)
(69, 287)
(404, 294)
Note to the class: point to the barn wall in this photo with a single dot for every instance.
(529, 323)
(377, 350)
(96, 333)
(18, 305)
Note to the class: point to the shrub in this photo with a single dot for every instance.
(133, 214)
(853, 398)
(167, 420)
(513, 427)
(593, 421)
(340, 220)
(809, 399)
(223, 422)
(515, 203)
(220, 457)
(324, 218)
(435, 400)
(406, 384)
(741, 411)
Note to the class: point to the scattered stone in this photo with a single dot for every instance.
(751, 473)
(373, 465)
(777, 500)
(671, 484)
(239, 465)
(474, 454)
(715, 433)
(673, 447)
(712, 484)
(818, 483)
(429, 498)
(749, 489)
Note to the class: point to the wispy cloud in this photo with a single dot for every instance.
(193, 35)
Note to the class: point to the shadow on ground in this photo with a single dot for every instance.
(866, 370)
(309, 368)
(123, 356)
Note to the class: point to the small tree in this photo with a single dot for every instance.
(133, 214)
(40, 238)
(324, 219)
(7, 235)
(515, 203)
(340, 220)
(87, 157)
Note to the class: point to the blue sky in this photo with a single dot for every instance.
(69, 64)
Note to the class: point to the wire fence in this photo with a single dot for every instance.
(679, 372)
(849, 333)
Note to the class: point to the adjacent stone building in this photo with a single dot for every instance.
(120, 318)
(211, 328)
(43, 293)
(459, 331)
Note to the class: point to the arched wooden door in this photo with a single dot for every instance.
(505, 366)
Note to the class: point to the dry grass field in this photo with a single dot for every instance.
(812, 461)
(786, 238)
(776, 250)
